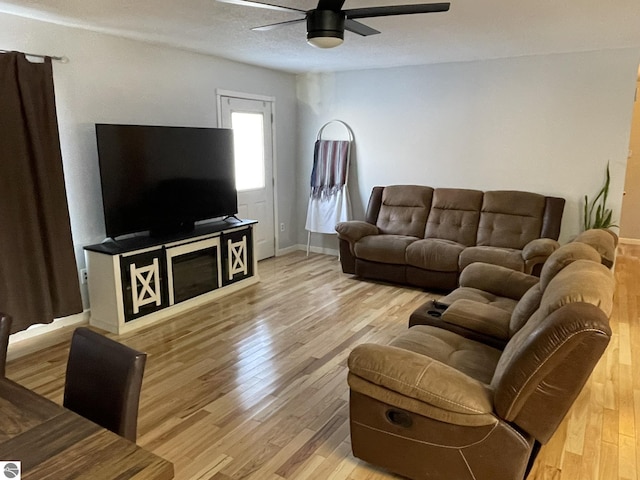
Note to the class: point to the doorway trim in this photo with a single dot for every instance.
(263, 98)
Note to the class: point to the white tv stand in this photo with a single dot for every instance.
(138, 281)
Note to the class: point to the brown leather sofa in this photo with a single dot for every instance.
(436, 405)
(422, 236)
(492, 303)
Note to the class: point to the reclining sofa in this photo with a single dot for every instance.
(492, 302)
(421, 236)
(437, 405)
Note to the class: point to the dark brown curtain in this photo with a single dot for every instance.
(38, 273)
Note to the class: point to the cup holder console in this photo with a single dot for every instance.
(428, 314)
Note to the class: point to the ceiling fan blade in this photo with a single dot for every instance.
(271, 26)
(268, 6)
(396, 10)
(335, 5)
(359, 28)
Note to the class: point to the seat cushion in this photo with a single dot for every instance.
(467, 356)
(480, 296)
(505, 257)
(383, 248)
(434, 254)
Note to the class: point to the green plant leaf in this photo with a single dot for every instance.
(596, 214)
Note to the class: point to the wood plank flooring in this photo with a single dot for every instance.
(253, 386)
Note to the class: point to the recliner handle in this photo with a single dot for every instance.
(399, 418)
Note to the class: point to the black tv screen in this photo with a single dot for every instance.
(163, 179)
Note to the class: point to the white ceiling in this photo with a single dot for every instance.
(471, 30)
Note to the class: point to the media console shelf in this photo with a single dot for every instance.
(140, 280)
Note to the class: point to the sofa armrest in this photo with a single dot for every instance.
(479, 317)
(354, 230)
(498, 280)
(537, 251)
(421, 378)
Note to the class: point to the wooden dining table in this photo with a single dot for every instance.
(53, 442)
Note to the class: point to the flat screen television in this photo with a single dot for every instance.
(164, 179)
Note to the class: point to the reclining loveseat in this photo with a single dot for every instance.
(435, 405)
(492, 302)
(421, 236)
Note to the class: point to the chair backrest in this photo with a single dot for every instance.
(510, 219)
(103, 381)
(5, 331)
(545, 365)
(557, 261)
(603, 240)
(404, 210)
(454, 215)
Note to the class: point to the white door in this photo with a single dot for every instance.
(251, 121)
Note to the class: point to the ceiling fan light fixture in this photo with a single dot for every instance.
(325, 28)
(325, 41)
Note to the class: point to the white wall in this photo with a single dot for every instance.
(113, 80)
(546, 124)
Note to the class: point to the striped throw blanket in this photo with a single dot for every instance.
(330, 163)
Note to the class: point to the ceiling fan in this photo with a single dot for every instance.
(327, 22)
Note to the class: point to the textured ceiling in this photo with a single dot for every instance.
(471, 30)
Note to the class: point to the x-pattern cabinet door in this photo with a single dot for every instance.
(144, 288)
(238, 255)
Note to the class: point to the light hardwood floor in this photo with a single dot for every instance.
(254, 385)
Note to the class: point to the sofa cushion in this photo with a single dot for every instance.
(396, 375)
(384, 248)
(505, 257)
(496, 279)
(510, 219)
(434, 254)
(454, 215)
(594, 284)
(480, 296)
(526, 307)
(467, 356)
(404, 210)
(564, 256)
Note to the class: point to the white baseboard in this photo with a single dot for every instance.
(20, 342)
(288, 250)
(296, 248)
(630, 241)
(322, 250)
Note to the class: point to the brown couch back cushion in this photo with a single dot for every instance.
(454, 215)
(510, 219)
(404, 210)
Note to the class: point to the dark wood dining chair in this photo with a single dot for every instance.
(5, 331)
(103, 381)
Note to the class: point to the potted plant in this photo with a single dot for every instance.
(596, 213)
